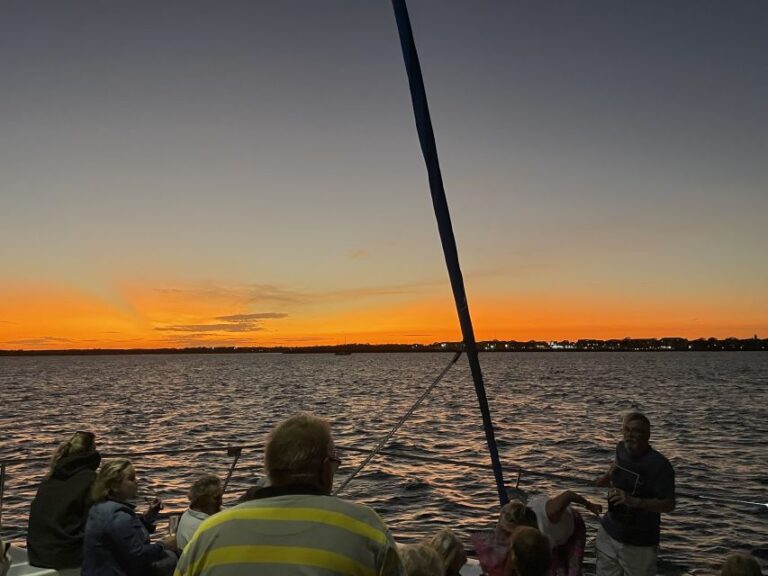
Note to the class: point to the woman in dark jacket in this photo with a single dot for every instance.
(116, 538)
(57, 518)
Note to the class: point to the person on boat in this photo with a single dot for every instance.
(740, 564)
(116, 538)
(421, 560)
(57, 517)
(492, 548)
(451, 551)
(294, 526)
(529, 553)
(565, 529)
(250, 493)
(204, 500)
(642, 487)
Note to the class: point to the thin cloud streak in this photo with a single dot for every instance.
(248, 317)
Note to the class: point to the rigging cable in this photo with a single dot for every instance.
(396, 427)
(440, 204)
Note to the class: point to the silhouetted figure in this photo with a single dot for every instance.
(642, 487)
(529, 553)
(59, 511)
(295, 522)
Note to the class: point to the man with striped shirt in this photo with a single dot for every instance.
(294, 527)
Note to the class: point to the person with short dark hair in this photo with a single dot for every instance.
(294, 527)
(529, 553)
(59, 511)
(642, 487)
(204, 500)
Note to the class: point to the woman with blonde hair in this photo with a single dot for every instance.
(116, 538)
(493, 547)
(57, 517)
(451, 551)
(420, 560)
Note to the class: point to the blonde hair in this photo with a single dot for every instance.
(80, 442)
(296, 448)
(110, 473)
(448, 546)
(514, 514)
(740, 564)
(421, 560)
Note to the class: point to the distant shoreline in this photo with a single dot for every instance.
(624, 345)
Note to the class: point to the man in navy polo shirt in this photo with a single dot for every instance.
(641, 485)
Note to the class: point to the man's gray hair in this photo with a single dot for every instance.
(296, 449)
(203, 487)
(638, 416)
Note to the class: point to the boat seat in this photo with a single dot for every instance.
(20, 566)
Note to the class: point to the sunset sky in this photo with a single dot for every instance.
(186, 172)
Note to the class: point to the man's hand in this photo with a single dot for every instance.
(596, 509)
(618, 497)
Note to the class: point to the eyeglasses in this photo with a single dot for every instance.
(334, 458)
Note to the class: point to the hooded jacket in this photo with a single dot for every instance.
(117, 542)
(57, 517)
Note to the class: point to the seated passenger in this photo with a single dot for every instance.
(451, 551)
(493, 548)
(565, 529)
(116, 538)
(204, 500)
(294, 526)
(529, 553)
(57, 517)
(740, 564)
(421, 560)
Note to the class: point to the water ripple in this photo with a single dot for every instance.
(553, 412)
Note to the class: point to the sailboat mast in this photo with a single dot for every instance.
(440, 204)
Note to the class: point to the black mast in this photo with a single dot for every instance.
(429, 149)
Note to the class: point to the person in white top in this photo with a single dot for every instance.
(564, 528)
(205, 498)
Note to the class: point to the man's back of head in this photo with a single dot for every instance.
(300, 451)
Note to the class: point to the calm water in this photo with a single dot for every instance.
(553, 412)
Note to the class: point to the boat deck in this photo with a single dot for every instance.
(20, 566)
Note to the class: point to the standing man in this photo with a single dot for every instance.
(642, 487)
(294, 527)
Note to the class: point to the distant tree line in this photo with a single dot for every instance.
(583, 345)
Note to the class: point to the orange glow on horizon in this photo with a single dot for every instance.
(55, 317)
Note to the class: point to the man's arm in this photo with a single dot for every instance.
(658, 505)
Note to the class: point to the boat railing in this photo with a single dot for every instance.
(235, 452)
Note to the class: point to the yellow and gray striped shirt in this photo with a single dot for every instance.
(292, 535)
